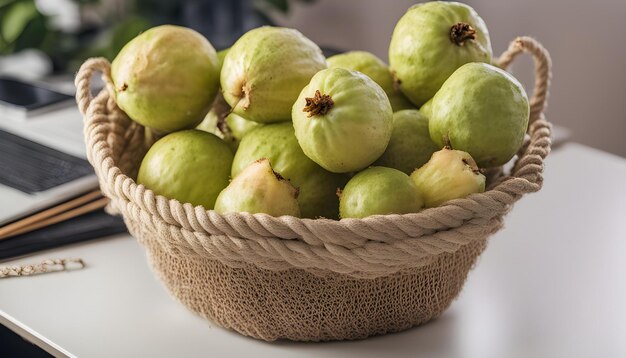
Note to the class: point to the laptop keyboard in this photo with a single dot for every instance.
(31, 167)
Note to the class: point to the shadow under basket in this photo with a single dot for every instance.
(303, 279)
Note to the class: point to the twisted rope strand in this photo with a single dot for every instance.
(543, 70)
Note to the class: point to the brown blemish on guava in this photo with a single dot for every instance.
(296, 191)
(396, 81)
(277, 175)
(124, 87)
(246, 94)
(338, 192)
(243, 91)
(223, 126)
(472, 166)
(461, 32)
(318, 104)
(222, 110)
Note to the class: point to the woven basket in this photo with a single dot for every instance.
(303, 279)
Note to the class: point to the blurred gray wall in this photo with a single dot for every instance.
(585, 38)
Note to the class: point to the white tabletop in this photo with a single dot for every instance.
(552, 283)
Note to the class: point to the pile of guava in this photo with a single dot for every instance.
(271, 126)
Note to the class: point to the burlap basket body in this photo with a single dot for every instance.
(304, 279)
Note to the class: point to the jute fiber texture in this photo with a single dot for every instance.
(304, 279)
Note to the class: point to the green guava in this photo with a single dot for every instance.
(482, 110)
(431, 41)
(239, 126)
(190, 166)
(343, 120)
(210, 124)
(229, 126)
(410, 145)
(221, 54)
(216, 117)
(259, 189)
(166, 78)
(449, 174)
(214, 121)
(425, 108)
(278, 143)
(372, 66)
(265, 70)
(379, 191)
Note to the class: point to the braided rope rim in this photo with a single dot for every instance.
(367, 247)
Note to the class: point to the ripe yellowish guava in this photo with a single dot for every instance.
(259, 189)
(449, 174)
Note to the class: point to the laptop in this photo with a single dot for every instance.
(42, 150)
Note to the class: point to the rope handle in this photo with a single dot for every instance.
(529, 166)
(543, 71)
(83, 81)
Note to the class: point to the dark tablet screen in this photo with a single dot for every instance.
(31, 167)
(20, 94)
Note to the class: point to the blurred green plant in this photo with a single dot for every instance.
(111, 40)
(22, 26)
